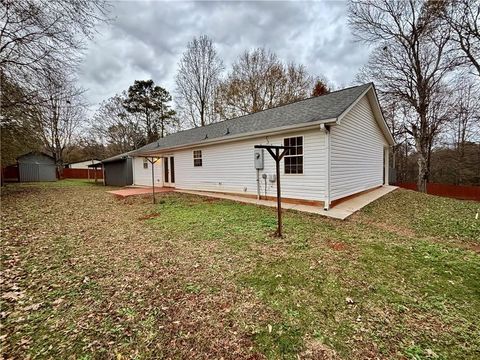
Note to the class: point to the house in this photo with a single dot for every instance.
(82, 164)
(36, 166)
(341, 148)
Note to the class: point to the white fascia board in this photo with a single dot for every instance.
(379, 115)
(225, 139)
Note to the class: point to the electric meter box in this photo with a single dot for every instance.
(258, 159)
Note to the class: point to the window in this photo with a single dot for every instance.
(197, 158)
(293, 160)
(145, 163)
(165, 169)
(172, 169)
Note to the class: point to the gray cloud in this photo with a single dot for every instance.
(146, 39)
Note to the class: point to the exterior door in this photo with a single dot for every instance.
(169, 171)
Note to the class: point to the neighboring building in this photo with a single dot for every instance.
(36, 166)
(82, 164)
(117, 170)
(341, 145)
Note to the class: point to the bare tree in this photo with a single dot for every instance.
(18, 134)
(259, 81)
(118, 129)
(38, 37)
(58, 114)
(409, 63)
(197, 78)
(465, 106)
(463, 18)
(464, 128)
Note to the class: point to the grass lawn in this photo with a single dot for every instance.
(87, 276)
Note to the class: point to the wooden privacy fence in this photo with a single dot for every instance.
(82, 174)
(10, 173)
(453, 191)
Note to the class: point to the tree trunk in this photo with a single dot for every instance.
(422, 173)
(422, 146)
(58, 159)
(202, 115)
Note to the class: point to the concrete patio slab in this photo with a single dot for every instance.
(340, 211)
(133, 191)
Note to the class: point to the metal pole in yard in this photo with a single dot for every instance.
(279, 194)
(277, 157)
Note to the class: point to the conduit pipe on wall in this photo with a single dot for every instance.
(258, 184)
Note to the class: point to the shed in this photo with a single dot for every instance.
(36, 166)
(118, 171)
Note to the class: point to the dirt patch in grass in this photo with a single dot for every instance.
(315, 350)
(474, 247)
(337, 246)
(148, 216)
(393, 228)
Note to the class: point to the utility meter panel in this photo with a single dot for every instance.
(258, 159)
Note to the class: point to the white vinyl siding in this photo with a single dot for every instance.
(229, 167)
(142, 176)
(356, 150)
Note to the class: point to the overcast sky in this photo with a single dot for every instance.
(146, 39)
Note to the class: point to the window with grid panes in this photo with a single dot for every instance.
(197, 158)
(293, 159)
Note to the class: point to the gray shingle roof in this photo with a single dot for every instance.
(324, 107)
(120, 156)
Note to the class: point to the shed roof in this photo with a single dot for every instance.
(38, 153)
(120, 157)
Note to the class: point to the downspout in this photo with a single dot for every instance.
(386, 165)
(326, 130)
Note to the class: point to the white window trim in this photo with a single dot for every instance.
(303, 157)
(197, 158)
(145, 161)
